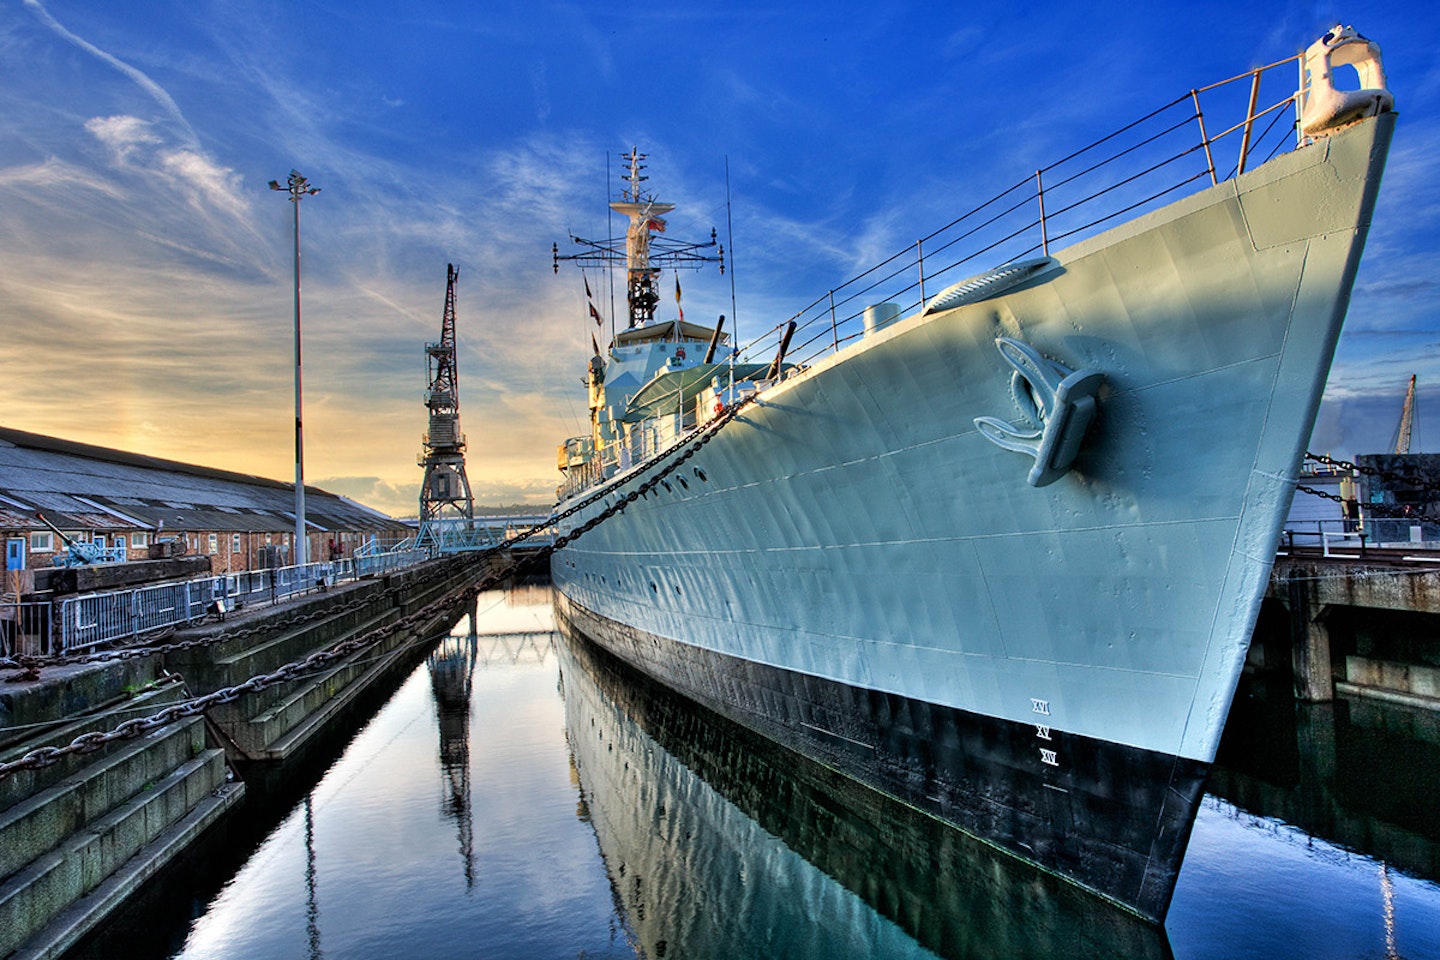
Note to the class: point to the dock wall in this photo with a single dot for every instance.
(1357, 627)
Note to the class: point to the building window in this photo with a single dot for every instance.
(235, 543)
(214, 543)
(139, 539)
(42, 542)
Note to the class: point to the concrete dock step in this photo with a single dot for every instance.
(84, 857)
(227, 715)
(83, 824)
(36, 824)
(87, 717)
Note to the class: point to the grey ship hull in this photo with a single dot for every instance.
(853, 569)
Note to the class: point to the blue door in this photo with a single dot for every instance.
(14, 554)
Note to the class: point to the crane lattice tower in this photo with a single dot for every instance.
(445, 488)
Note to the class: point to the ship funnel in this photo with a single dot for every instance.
(1324, 109)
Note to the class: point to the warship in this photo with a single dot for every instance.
(994, 549)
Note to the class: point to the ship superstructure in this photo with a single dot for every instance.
(657, 378)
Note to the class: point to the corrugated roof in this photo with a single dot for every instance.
(50, 473)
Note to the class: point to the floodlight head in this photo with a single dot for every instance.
(275, 185)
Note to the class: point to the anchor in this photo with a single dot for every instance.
(1058, 403)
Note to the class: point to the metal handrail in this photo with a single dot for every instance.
(1065, 201)
(25, 623)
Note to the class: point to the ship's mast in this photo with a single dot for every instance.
(642, 252)
(645, 212)
(445, 486)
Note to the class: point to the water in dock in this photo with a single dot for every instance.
(505, 802)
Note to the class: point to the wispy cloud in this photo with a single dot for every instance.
(52, 175)
(144, 82)
(122, 136)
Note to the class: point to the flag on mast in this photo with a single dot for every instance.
(596, 314)
(677, 298)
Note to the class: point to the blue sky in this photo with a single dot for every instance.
(145, 286)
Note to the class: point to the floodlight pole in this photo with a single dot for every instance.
(297, 186)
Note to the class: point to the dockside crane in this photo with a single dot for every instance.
(445, 487)
(1407, 421)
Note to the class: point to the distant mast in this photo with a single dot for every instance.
(642, 252)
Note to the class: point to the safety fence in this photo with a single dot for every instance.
(96, 618)
(24, 624)
(1332, 535)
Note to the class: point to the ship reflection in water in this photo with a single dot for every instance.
(1318, 837)
(721, 844)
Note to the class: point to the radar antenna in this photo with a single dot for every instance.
(445, 486)
(642, 252)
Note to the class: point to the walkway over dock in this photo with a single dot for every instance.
(463, 535)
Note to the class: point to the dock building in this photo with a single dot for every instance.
(127, 502)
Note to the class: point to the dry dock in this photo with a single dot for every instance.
(79, 835)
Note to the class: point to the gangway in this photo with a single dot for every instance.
(464, 534)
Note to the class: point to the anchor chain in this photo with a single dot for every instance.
(89, 742)
(1386, 510)
(1408, 479)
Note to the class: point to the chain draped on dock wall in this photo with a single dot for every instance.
(507, 567)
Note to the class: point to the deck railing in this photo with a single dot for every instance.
(1145, 164)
